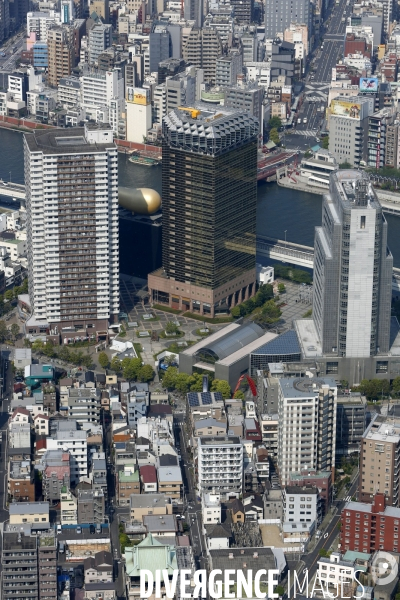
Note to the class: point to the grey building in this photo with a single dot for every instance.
(352, 270)
(170, 67)
(160, 47)
(19, 565)
(348, 128)
(194, 11)
(369, 19)
(180, 90)
(228, 67)
(98, 473)
(202, 48)
(4, 20)
(47, 565)
(91, 506)
(247, 98)
(283, 61)
(279, 15)
(351, 422)
(136, 409)
(243, 10)
(100, 38)
(84, 404)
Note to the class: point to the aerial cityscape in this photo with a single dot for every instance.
(199, 299)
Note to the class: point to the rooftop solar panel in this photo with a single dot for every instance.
(218, 396)
(286, 343)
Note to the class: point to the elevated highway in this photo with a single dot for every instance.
(12, 190)
(297, 254)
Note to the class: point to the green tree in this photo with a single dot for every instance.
(219, 385)
(131, 370)
(9, 295)
(236, 311)
(37, 346)
(196, 382)
(24, 286)
(169, 378)
(345, 165)
(4, 333)
(170, 360)
(325, 142)
(396, 385)
(270, 313)
(171, 327)
(86, 361)
(48, 349)
(274, 123)
(104, 361)
(124, 541)
(146, 373)
(274, 136)
(239, 395)
(64, 353)
(116, 364)
(281, 288)
(280, 590)
(14, 330)
(182, 383)
(374, 388)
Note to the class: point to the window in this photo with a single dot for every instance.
(362, 222)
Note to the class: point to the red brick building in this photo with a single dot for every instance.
(356, 45)
(370, 527)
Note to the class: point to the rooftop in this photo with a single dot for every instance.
(304, 387)
(222, 440)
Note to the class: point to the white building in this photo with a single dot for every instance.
(98, 89)
(69, 508)
(73, 441)
(68, 93)
(138, 114)
(301, 504)
(211, 509)
(100, 38)
(40, 22)
(220, 466)
(335, 572)
(260, 72)
(307, 425)
(72, 230)
(19, 435)
(265, 274)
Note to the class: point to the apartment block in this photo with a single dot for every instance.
(351, 421)
(149, 504)
(380, 462)
(370, 527)
(91, 506)
(220, 466)
(61, 55)
(72, 200)
(21, 481)
(75, 442)
(19, 565)
(301, 504)
(84, 405)
(307, 425)
(47, 566)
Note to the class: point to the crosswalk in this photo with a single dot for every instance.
(307, 132)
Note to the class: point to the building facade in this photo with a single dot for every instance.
(209, 211)
(74, 281)
(220, 466)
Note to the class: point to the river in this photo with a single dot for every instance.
(279, 210)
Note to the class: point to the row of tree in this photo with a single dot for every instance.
(8, 334)
(183, 383)
(296, 275)
(131, 369)
(70, 355)
(265, 293)
(375, 389)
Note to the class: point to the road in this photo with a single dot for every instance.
(327, 538)
(318, 77)
(192, 507)
(8, 62)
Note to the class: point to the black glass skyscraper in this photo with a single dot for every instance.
(209, 210)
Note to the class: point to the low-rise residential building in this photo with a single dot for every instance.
(69, 507)
(148, 478)
(128, 483)
(170, 481)
(34, 513)
(301, 504)
(21, 481)
(91, 506)
(67, 437)
(211, 509)
(99, 568)
(149, 504)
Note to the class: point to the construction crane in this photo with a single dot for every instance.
(251, 383)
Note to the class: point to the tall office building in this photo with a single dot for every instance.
(307, 425)
(61, 55)
(4, 20)
(209, 210)
(72, 231)
(202, 49)
(279, 15)
(352, 270)
(160, 47)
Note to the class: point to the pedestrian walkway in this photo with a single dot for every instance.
(307, 132)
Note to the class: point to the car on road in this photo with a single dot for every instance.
(305, 120)
(79, 530)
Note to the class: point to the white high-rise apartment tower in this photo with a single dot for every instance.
(72, 231)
